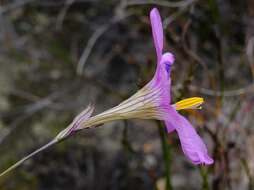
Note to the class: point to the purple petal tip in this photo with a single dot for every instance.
(203, 160)
(154, 11)
(168, 58)
(157, 32)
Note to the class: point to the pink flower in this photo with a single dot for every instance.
(192, 145)
(152, 102)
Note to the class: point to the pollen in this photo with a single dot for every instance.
(189, 103)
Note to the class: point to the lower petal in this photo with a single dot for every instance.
(192, 144)
(170, 127)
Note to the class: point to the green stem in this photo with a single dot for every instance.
(204, 175)
(166, 148)
(126, 144)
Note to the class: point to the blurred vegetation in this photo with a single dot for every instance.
(56, 56)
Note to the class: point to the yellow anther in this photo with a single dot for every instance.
(189, 103)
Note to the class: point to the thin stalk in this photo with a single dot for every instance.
(125, 142)
(52, 142)
(204, 175)
(166, 148)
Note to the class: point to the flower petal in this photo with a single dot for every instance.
(192, 145)
(166, 62)
(157, 32)
(169, 126)
(83, 116)
(161, 81)
(167, 58)
(76, 123)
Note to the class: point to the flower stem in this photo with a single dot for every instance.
(204, 175)
(166, 148)
(125, 142)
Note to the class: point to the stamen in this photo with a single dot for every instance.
(168, 67)
(189, 103)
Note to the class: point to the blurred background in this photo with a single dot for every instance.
(56, 56)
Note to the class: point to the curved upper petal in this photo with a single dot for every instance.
(164, 61)
(192, 144)
(157, 30)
